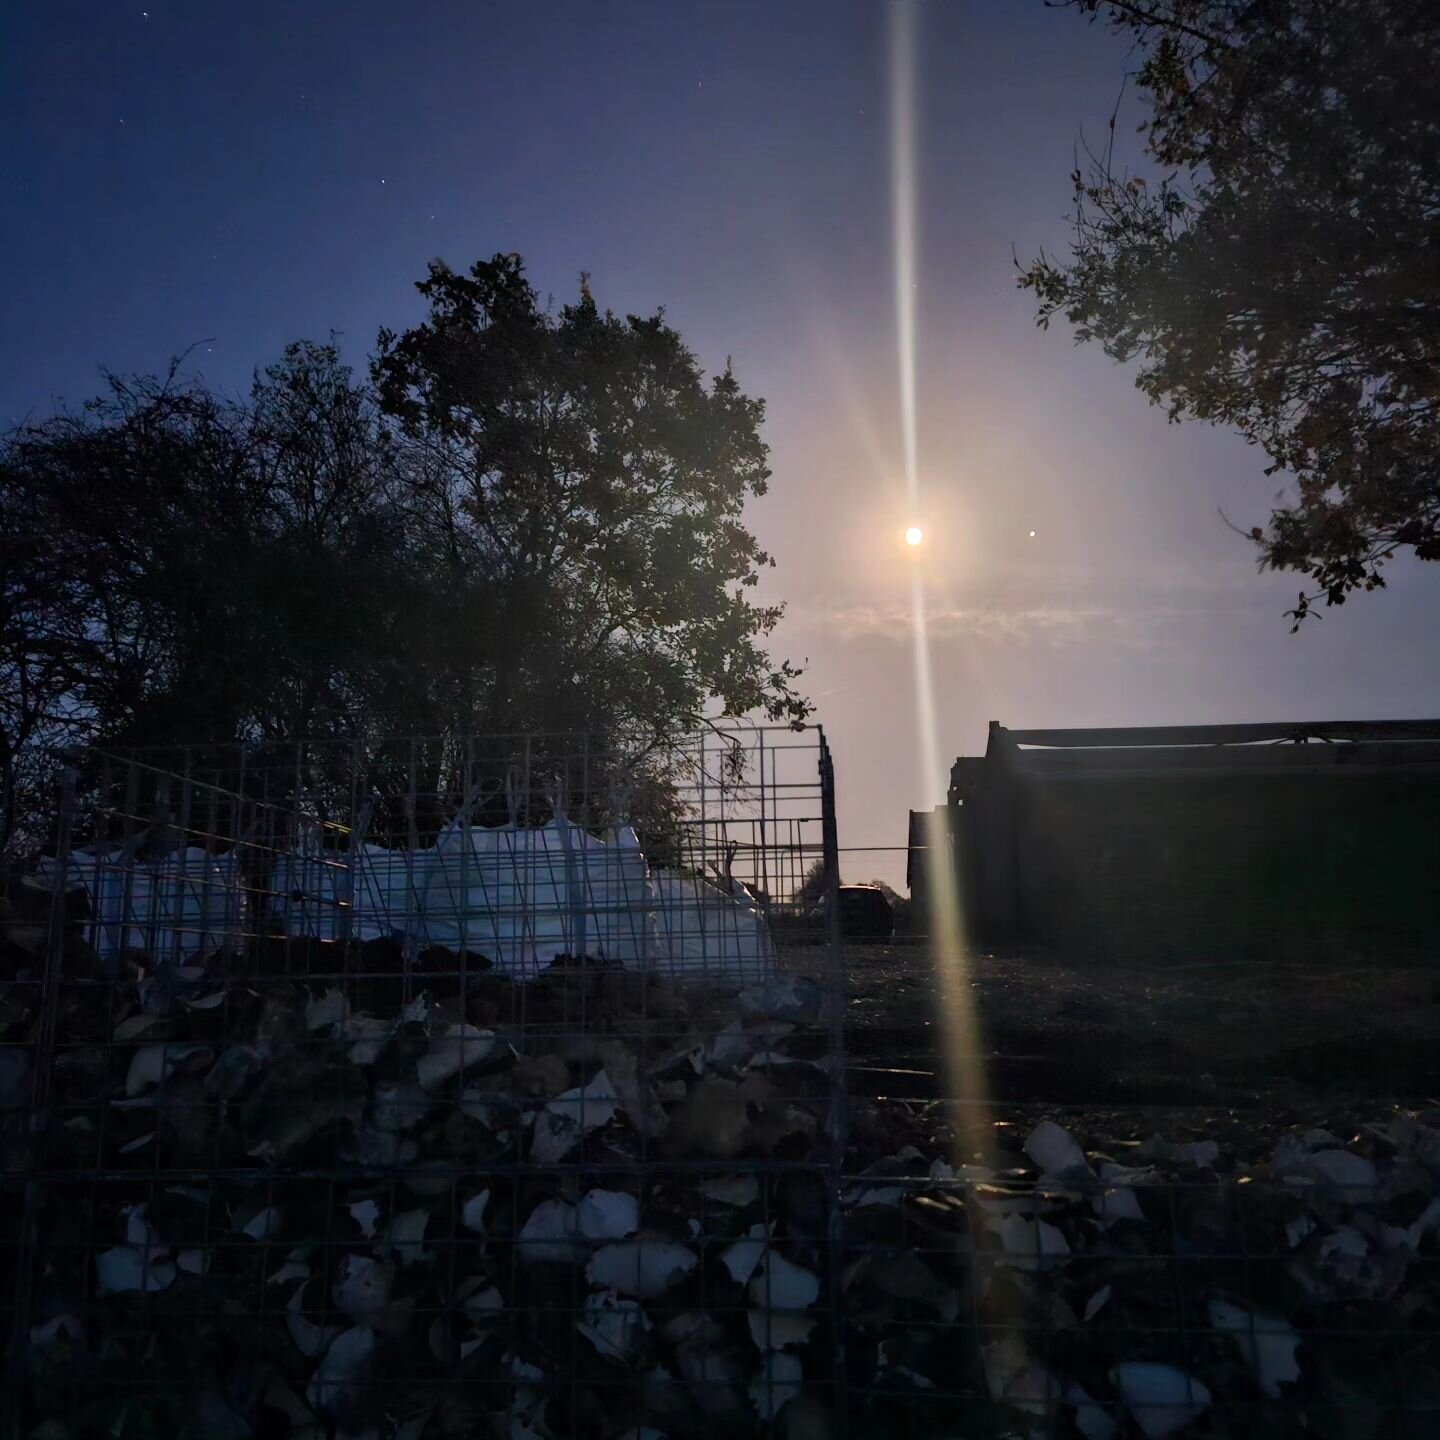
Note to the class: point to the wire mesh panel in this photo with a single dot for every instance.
(431, 1089)
(1262, 1284)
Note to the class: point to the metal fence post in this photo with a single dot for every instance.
(835, 977)
(38, 1120)
(55, 958)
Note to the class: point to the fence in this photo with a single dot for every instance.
(427, 1088)
(338, 1104)
(1033, 1247)
(1181, 1295)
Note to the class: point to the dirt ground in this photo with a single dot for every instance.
(1063, 1032)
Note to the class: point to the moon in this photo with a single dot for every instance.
(914, 535)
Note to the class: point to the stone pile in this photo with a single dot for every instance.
(418, 1202)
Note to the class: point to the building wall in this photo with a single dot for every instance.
(1285, 866)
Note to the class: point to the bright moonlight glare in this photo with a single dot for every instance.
(914, 535)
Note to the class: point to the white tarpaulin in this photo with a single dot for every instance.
(705, 931)
(524, 896)
(187, 903)
(334, 895)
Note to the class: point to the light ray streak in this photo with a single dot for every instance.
(964, 1067)
(902, 183)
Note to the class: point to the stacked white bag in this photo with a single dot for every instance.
(188, 903)
(310, 892)
(524, 896)
(520, 896)
(711, 933)
(386, 892)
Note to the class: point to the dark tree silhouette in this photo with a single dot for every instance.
(582, 467)
(1277, 272)
(528, 522)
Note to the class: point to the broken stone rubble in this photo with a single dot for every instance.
(463, 1202)
(397, 1152)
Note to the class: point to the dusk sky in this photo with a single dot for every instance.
(243, 175)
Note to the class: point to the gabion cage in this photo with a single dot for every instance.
(429, 1088)
(1258, 1285)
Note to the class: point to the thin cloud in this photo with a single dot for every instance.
(1140, 609)
(1053, 625)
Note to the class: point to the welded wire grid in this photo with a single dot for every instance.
(511, 849)
(295, 1164)
(1204, 1307)
(426, 1085)
(1196, 1270)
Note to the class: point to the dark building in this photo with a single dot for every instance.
(1299, 842)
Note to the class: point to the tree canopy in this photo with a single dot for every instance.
(584, 469)
(521, 520)
(1279, 271)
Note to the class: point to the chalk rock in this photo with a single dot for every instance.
(459, 1046)
(777, 1382)
(793, 998)
(615, 1327)
(645, 1269)
(608, 1215)
(568, 1118)
(1032, 1244)
(782, 1285)
(343, 1371)
(1342, 1169)
(1160, 1399)
(1054, 1149)
(551, 1234)
(743, 1257)
(1267, 1343)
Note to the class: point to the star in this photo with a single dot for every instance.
(1032, 534)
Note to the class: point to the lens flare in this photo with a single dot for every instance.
(902, 209)
(965, 1074)
(964, 1064)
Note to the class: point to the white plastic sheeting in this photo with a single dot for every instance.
(523, 897)
(188, 903)
(705, 931)
(311, 892)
